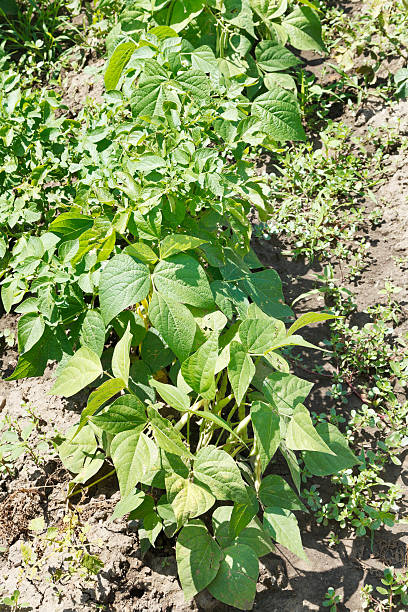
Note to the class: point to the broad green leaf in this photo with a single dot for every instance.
(163, 32)
(127, 504)
(238, 12)
(184, 11)
(274, 58)
(322, 464)
(92, 332)
(29, 331)
(278, 79)
(302, 435)
(153, 474)
(235, 583)
(152, 526)
(182, 278)
(168, 438)
(203, 59)
(199, 369)
(195, 82)
(91, 466)
(174, 322)
(148, 98)
(285, 391)
(217, 420)
(191, 501)
(264, 288)
(283, 527)
(175, 243)
(198, 558)
(125, 413)
(121, 357)
(142, 251)
(252, 535)
(308, 318)
(241, 370)
(120, 57)
(148, 162)
(173, 396)
(135, 321)
(217, 470)
(123, 283)
(269, 10)
(266, 424)
(295, 340)
(74, 453)
(275, 491)
(34, 361)
(279, 113)
(304, 29)
(98, 397)
(70, 225)
(258, 335)
(293, 466)
(242, 514)
(81, 369)
(127, 459)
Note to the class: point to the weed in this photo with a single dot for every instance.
(331, 600)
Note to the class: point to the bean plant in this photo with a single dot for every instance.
(144, 286)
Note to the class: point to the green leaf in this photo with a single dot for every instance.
(181, 278)
(120, 57)
(175, 243)
(125, 413)
(191, 501)
(184, 11)
(98, 397)
(167, 438)
(278, 111)
(81, 369)
(283, 527)
(74, 453)
(123, 283)
(173, 396)
(285, 391)
(91, 466)
(34, 361)
(195, 82)
(258, 335)
(242, 514)
(92, 332)
(217, 470)
(307, 318)
(274, 58)
(142, 252)
(137, 326)
(293, 466)
(121, 357)
(199, 369)
(301, 435)
(266, 424)
(235, 583)
(322, 464)
(152, 526)
(127, 459)
(198, 558)
(174, 322)
(304, 29)
(275, 491)
(29, 331)
(241, 370)
(70, 225)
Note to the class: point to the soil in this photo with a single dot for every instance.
(128, 582)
